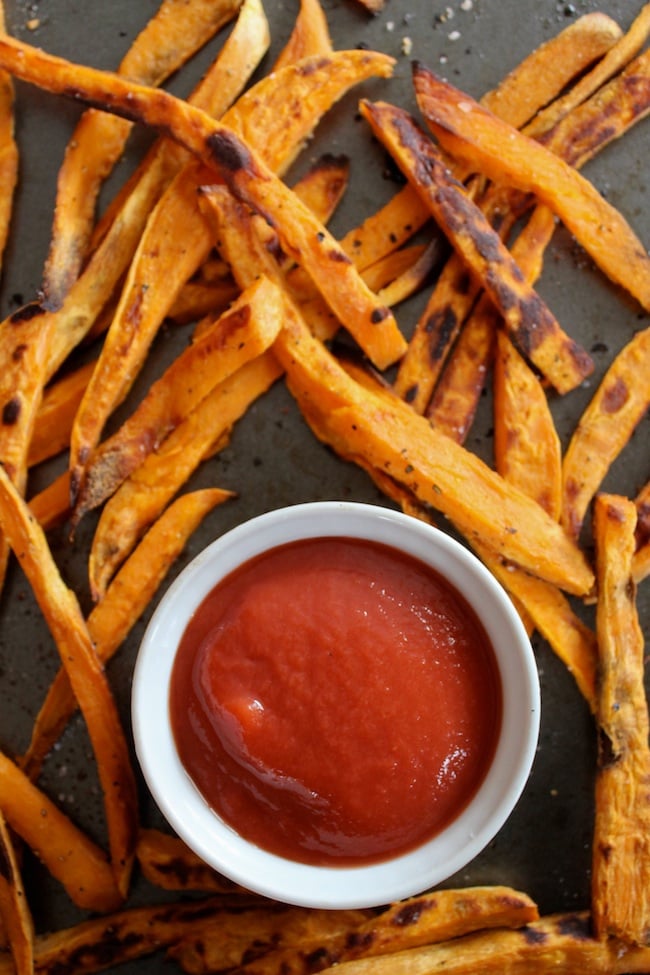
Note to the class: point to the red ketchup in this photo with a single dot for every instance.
(335, 701)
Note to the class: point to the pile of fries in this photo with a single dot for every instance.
(208, 236)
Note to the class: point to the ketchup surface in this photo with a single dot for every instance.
(336, 701)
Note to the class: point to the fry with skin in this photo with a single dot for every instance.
(241, 334)
(552, 67)
(15, 918)
(621, 844)
(411, 923)
(142, 496)
(56, 413)
(604, 428)
(175, 32)
(609, 65)
(112, 619)
(469, 132)
(68, 853)
(129, 934)
(529, 321)
(65, 620)
(168, 863)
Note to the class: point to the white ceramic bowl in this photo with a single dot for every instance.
(338, 887)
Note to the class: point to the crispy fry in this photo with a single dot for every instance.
(605, 427)
(526, 443)
(124, 602)
(54, 418)
(197, 300)
(175, 32)
(168, 863)
(529, 321)
(387, 229)
(51, 506)
(410, 280)
(471, 133)
(621, 845)
(555, 945)
(61, 610)
(241, 334)
(9, 154)
(70, 856)
(610, 64)
(412, 923)
(141, 498)
(438, 471)
(111, 940)
(15, 918)
(551, 67)
(207, 951)
(323, 185)
(310, 35)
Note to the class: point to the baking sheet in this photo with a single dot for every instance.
(273, 459)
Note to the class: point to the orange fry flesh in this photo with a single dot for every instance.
(61, 610)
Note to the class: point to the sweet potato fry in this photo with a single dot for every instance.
(310, 35)
(530, 322)
(70, 856)
(123, 936)
(206, 951)
(141, 498)
(196, 300)
(9, 154)
(491, 146)
(609, 65)
(124, 602)
(621, 845)
(412, 923)
(555, 945)
(241, 334)
(526, 444)
(51, 506)
(15, 918)
(552, 67)
(168, 863)
(604, 428)
(438, 471)
(55, 414)
(175, 32)
(387, 229)
(61, 610)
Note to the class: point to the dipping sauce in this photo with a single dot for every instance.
(335, 701)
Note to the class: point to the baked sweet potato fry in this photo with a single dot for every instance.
(15, 918)
(604, 428)
(92, 691)
(559, 944)
(242, 333)
(526, 444)
(67, 852)
(111, 940)
(609, 65)
(469, 132)
(438, 471)
(112, 619)
(621, 844)
(412, 923)
(174, 33)
(56, 413)
(138, 502)
(310, 35)
(9, 154)
(168, 863)
(530, 322)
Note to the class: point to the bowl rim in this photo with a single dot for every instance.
(258, 870)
